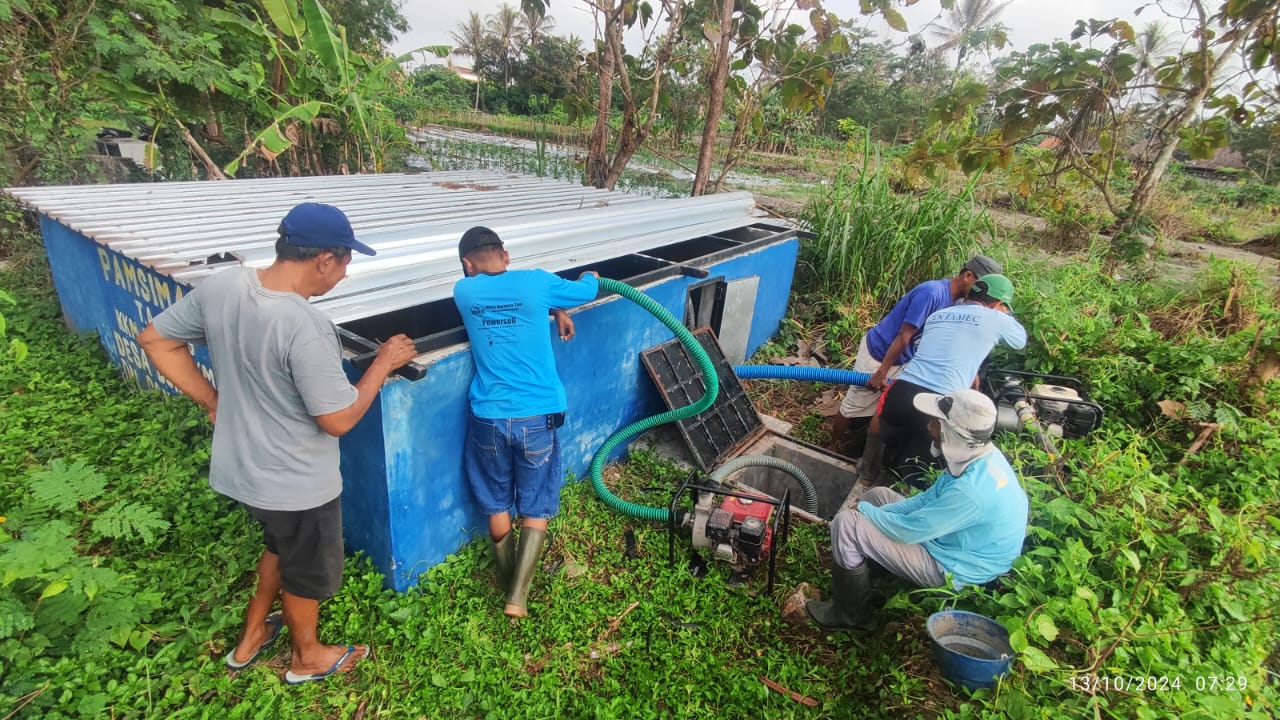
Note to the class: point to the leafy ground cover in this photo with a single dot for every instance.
(1148, 589)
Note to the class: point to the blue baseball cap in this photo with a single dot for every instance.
(320, 226)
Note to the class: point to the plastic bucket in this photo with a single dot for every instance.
(972, 650)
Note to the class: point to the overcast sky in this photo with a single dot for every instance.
(1029, 21)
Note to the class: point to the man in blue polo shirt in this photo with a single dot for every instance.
(969, 524)
(512, 454)
(890, 344)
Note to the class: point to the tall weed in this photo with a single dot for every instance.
(1138, 342)
(872, 244)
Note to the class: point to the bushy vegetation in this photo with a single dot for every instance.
(1145, 559)
(873, 244)
(232, 88)
(427, 93)
(125, 575)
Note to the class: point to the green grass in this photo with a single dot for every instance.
(1136, 564)
(689, 647)
(875, 244)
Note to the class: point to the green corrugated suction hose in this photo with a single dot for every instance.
(630, 509)
(722, 474)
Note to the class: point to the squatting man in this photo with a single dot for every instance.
(969, 524)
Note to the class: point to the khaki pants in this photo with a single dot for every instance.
(860, 401)
(855, 539)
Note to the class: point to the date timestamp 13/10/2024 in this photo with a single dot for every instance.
(1158, 683)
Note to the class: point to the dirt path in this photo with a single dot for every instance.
(1180, 260)
(779, 207)
(1199, 253)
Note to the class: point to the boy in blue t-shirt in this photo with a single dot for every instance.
(512, 454)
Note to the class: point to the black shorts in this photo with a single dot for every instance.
(903, 428)
(309, 544)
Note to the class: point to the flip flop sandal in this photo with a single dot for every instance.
(295, 679)
(275, 621)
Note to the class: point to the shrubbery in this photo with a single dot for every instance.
(1144, 560)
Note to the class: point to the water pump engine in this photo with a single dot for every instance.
(742, 529)
(735, 532)
(1052, 405)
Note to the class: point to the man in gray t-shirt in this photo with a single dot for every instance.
(281, 402)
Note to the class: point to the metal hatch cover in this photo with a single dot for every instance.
(729, 424)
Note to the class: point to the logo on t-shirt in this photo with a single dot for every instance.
(955, 317)
(479, 309)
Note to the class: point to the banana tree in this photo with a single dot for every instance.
(318, 86)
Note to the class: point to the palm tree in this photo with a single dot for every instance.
(508, 28)
(537, 23)
(1152, 45)
(470, 37)
(972, 24)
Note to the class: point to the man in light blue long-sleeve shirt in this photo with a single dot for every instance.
(969, 524)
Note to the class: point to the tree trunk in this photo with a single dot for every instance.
(629, 141)
(1150, 178)
(634, 130)
(215, 172)
(602, 172)
(597, 170)
(1145, 190)
(715, 99)
(746, 111)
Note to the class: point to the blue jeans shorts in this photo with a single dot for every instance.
(515, 462)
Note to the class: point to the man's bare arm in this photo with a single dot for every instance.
(173, 359)
(891, 355)
(394, 354)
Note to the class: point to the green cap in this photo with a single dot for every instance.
(996, 287)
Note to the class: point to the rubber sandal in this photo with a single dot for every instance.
(295, 679)
(275, 621)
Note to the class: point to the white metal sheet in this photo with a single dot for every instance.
(413, 220)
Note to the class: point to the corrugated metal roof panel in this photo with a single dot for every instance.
(413, 221)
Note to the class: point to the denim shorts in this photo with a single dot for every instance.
(514, 462)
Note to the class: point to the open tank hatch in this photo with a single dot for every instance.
(732, 428)
(436, 324)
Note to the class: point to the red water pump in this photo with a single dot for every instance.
(741, 528)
